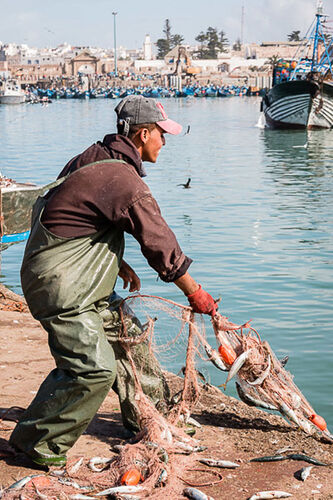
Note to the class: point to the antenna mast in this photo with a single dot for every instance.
(242, 25)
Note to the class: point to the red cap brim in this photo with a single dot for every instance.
(170, 127)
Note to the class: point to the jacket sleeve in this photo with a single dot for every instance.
(158, 243)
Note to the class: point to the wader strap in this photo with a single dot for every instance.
(57, 183)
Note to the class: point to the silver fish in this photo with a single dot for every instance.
(251, 401)
(98, 461)
(215, 358)
(223, 464)
(40, 495)
(78, 496)
(195, 494)
(265, 373)
(76, 466)
(267, 495)
(119, 489)
(305, 472)
(74, 484)
(22, 482)
(236, 366)
(289, 413)
(162, 478)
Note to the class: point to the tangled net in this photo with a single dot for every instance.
(261, 381)
(162, 451)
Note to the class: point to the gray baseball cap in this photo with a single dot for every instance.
(136, 109)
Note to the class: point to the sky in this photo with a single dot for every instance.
(45, 23)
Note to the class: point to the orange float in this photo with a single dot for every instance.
(227, 353)
(318, 421)
(131, 477)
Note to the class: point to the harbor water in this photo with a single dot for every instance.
(257, 220)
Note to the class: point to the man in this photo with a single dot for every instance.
(71, 263)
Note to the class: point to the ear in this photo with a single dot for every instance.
(144, 135)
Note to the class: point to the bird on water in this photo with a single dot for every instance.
(187, 185)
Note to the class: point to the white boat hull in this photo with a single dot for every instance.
(12, 99)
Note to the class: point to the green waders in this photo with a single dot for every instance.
(67, 283)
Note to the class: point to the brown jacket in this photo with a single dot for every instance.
(105, 194)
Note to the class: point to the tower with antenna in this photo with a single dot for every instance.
(242, 25)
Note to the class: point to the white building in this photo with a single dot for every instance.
(147, 49)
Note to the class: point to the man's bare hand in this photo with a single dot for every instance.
(129, 276)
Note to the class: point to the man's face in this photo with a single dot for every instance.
(152, 147)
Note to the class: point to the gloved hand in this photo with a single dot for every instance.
(201, 302)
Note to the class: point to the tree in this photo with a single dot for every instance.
(223, 41)
(164, 45)
(294, 36)
(211, 43)
(237, 45)
(273, 60)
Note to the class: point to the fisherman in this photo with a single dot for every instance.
(69, 271)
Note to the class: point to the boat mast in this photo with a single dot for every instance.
(319, 14)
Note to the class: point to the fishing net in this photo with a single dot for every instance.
(162, 452)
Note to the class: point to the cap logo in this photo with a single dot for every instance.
(160, 107)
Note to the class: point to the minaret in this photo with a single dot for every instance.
(147, 49)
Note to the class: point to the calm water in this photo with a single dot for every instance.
(257, 221)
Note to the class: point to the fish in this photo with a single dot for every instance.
(79, 496)
(74, 484)
(120, 490)
(284, 360)
(270, 458)
(118, 448)
(76, 466)
(195, 494)
(223, 464)
(251, 401)
(305, 472)
(18, 485)
(265, 373)
(305, 458)
(40, 495)
(98, 461)
(236, 366)
(162, 478)
(289, 413)
(215, 358)
(267, 495)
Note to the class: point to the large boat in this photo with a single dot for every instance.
(11, 92)
(16, 202)
(302, 92)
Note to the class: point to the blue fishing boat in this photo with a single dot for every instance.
(302, 92)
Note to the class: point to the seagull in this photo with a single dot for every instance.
(187, 185)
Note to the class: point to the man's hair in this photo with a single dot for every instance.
(134, 129)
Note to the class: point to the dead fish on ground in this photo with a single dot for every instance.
(98, 461)
(267, 495)
(305, 458)
(78, 496)
(195, 494)
(22, 482)
(162, 478)
(270, 458)
(304, 473)
(40, 495)
(76, 466)
(289, 413)
(218, 463)
(70, 482)
(120, 490)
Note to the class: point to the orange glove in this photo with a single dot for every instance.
(202, 303)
